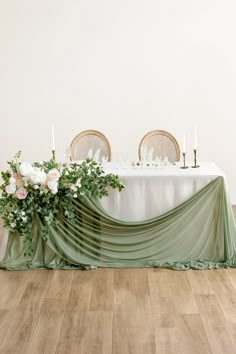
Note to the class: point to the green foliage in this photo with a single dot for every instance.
(45, 188)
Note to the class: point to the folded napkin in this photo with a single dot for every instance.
(96, 155)
(150, 155)
(90, 154)
(143, 151)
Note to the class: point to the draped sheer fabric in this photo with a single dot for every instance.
(199, 234)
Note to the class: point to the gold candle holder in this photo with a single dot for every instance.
(54, 154)
(195, 159)
(184, 165)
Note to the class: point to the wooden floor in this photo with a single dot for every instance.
(118, 311)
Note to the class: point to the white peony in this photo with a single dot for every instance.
(37, 176)
(11, 188)
(53, 174)
(25, 168)
(53, 186)
(12, 180)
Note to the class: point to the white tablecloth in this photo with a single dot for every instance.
(150, 192)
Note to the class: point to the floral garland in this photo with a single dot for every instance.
(45, 187)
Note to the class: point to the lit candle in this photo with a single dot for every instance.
(195, 138)
(53, 138)
(184, 144)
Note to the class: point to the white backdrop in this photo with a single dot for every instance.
(123, 67)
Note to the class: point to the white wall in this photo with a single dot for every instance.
(124, 67)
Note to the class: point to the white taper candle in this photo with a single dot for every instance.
(195, 138)
(53, 138)
(184, 144)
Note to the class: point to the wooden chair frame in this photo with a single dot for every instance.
(91, 132)
(160, 132)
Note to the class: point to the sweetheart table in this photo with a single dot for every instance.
(165, 217)
(150, 192)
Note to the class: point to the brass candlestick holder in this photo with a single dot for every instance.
(195, 159)
(184, 156)
(54, 154)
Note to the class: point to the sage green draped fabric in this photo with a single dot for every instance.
(198, 234)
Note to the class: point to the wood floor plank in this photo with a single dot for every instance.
(36, 290)
(199, 282)
(214, 324)
(161, 289)
(146, 337)
(26, 315)
(142, 290)
(168, 341)
(6, 316)
(159, 283)
(180, 283)
(125, 335)
(225, 292)
(185, 304)
(19, 331)
(193, 336)
(164, 315)
(125, 298)
(80, 291)
(60, 284)
(103, 290)
(46, 334)
(232, 276)
(73, 333)
(13, 285)
(99, 333)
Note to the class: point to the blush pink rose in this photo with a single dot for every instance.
(21, 193)
(53, 174)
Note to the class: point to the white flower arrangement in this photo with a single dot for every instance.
(46, 187)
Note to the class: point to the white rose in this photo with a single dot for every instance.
(13, 224)
(53, 186)
(73, 187)
(12, 180)
(78, 183)
(25, 168)
(75, 195)
(53, 174)
(38, 176)
(11, 188)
